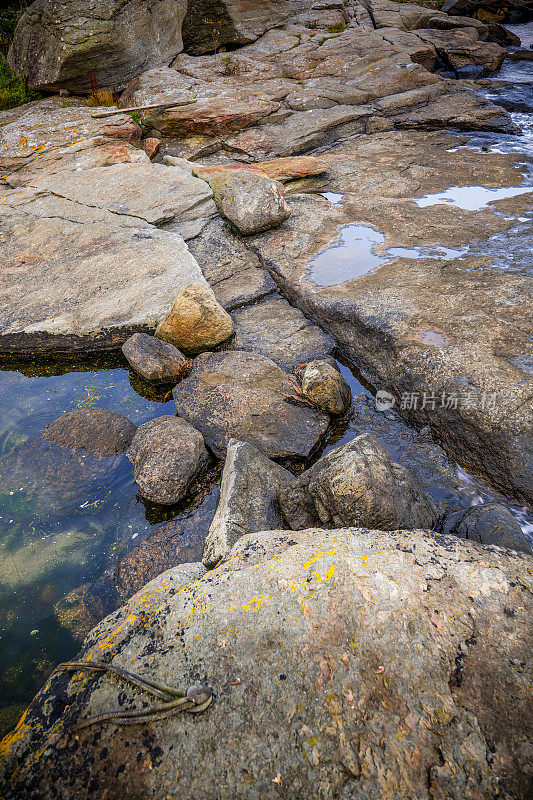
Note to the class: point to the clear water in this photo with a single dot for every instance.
(63, 520)
(355, 254)
(470, 198)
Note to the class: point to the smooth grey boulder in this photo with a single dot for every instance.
(252, 202)
(356, 484)
(102, 432)
(344, 666)
(489, 523)
(61, 44)
(153, 359)
(248, 499)
(167, 454)
(246, 396)
(324, 386)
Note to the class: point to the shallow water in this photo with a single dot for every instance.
(61, 524)
(471, 198)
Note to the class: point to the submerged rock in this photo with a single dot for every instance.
(356, 484)
(196, 320)
(167, 454)
(153, 359)
(242, 395)
(61, 44)
(248, 499)
(489, 523)
(249, 199)
(324, 386)
(340, 659)
(102, 432)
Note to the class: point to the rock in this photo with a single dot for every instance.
(357, 483)
(207, 28)
(91, 285)
(178, 541)
(101, 597)
(151, 146)
(196, 320)
(167, 454)
(153, 359)
(252, 202)
(48, 137)
(212, 116)
(61, 45)
(387, 325)
(159, 85)
(502, 36)
(248, 499)
(232, 270)
(277, 330)
(150, 192)
(102, 432)
(324, 386)
(350, 620)
(462, 48)
(279, 169)
(489, 523)
(489, 10)
(73, 615)
(243, 396)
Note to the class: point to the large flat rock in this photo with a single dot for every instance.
(443, 315)
(84, 283)
(245, 396)
(353, 663)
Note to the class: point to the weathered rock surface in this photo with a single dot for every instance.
(102, 432)
(489, 523)
(196, 320)
(208, 26)
(371, 659)
(248, 499)
(356, 484)
(250, 200)
(61, 44)
(153, 359)
(279, 169)
(232, 271)
(167, 454)
(151, 192)
(277, 330)
(242, 396)
(75, 278)
(392, 321)
(324, 386)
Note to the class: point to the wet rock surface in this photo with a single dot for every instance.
(243, 396)
(489, 523)
(97, 430)
(325, 387)
(167, 454)
(356, 484)
(248, 499)
(153, 359)
(361, 618)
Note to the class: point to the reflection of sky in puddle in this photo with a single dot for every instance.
(470, 198)
(334, 198)
(353, 255)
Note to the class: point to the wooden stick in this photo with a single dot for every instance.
(164, 106)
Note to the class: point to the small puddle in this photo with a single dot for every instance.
(354, 255)
(333, 197)
(470, 198)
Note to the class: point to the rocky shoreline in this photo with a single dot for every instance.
(315, 191)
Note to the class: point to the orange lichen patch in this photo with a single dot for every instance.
(256, 602)
(15, 736)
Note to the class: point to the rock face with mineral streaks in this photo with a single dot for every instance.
(368, 664)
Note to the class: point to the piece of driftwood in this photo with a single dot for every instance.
(163, 106)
